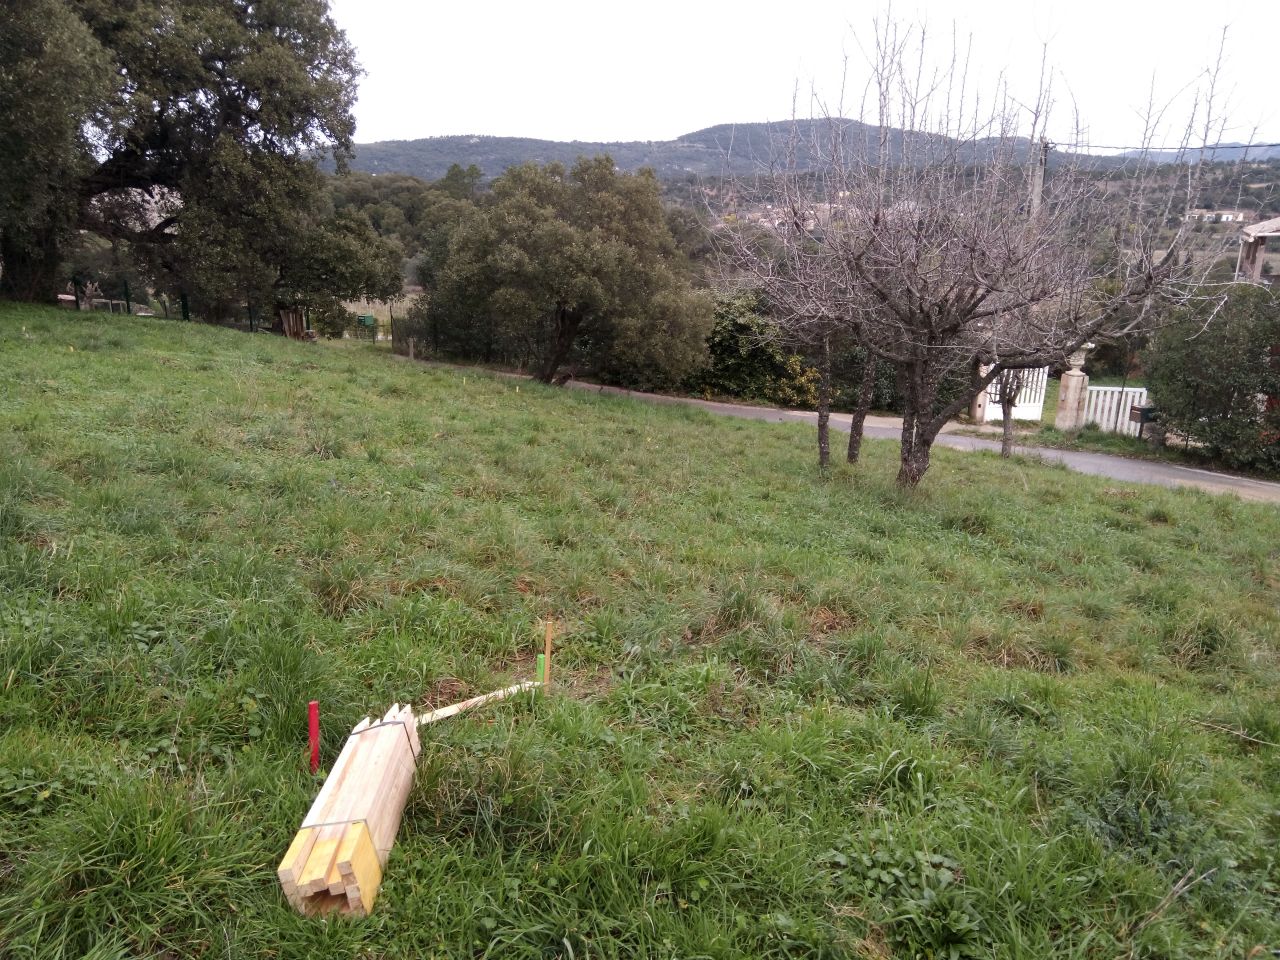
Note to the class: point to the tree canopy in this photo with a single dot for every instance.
(52, 77)
(565, 268)
(417, 214)
(187, 131)
(1216, 380)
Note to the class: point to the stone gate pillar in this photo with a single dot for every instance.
(1073, 391)
(978, 405)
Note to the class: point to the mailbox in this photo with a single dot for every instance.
(1145, 413)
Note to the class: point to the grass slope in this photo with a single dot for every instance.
(801, 717)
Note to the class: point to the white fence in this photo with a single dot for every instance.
(1030, 405)
(1108, 408)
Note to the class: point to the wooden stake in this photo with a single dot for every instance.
(360, 868)
(546, 657)
(335, 861)
(456, 708)
(313, 733)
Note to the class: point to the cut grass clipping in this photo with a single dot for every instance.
(1018, 713)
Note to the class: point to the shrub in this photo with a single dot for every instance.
(331, 319)
(1217, 381)
(846, 377)
(744, 360)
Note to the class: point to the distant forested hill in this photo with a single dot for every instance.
(728, 148)
(716, 151)
(1223, 153)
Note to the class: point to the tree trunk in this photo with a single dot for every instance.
(824, 405)
(1006, 413)
(1010, 387)
(866, 390)
(567, 324)
(1006, 440)
(920, 426)
(29, 270)
(914, 458)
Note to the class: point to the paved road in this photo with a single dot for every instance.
(889, 428)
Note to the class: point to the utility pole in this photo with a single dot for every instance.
(1037, 178)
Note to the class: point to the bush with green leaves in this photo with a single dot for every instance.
(745, 359)
(570, 271)
(331, 319)
(1216, 379)
(846, 378)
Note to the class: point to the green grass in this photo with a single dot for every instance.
(1052, 388)
(799, 716)
(1092, 439)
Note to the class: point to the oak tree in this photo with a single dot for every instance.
(566, 269)
(167, 121)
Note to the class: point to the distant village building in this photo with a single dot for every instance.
(1253, 247)
(1220, 216)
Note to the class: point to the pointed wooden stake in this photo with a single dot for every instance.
(336, 859)
(546, 657)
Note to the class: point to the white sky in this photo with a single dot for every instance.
(655, 69)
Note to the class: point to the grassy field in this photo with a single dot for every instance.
(800, 716)
(1093, 440)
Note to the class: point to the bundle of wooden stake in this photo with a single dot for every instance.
(335, 862)
(336, 859)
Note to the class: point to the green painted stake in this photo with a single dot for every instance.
(541, 667)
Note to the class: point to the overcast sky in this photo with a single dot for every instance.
(653, 70)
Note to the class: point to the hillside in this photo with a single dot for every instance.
(716, 151)
(803, 717)
(1224, 153)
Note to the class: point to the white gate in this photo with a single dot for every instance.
(1030, 405)
(1108, 408)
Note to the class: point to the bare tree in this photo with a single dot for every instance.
(1007, 387)
(936, 237)
(778, 246)
(861, 406)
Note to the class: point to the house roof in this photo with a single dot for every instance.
(1267, 228)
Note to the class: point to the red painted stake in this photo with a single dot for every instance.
(313, 725)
